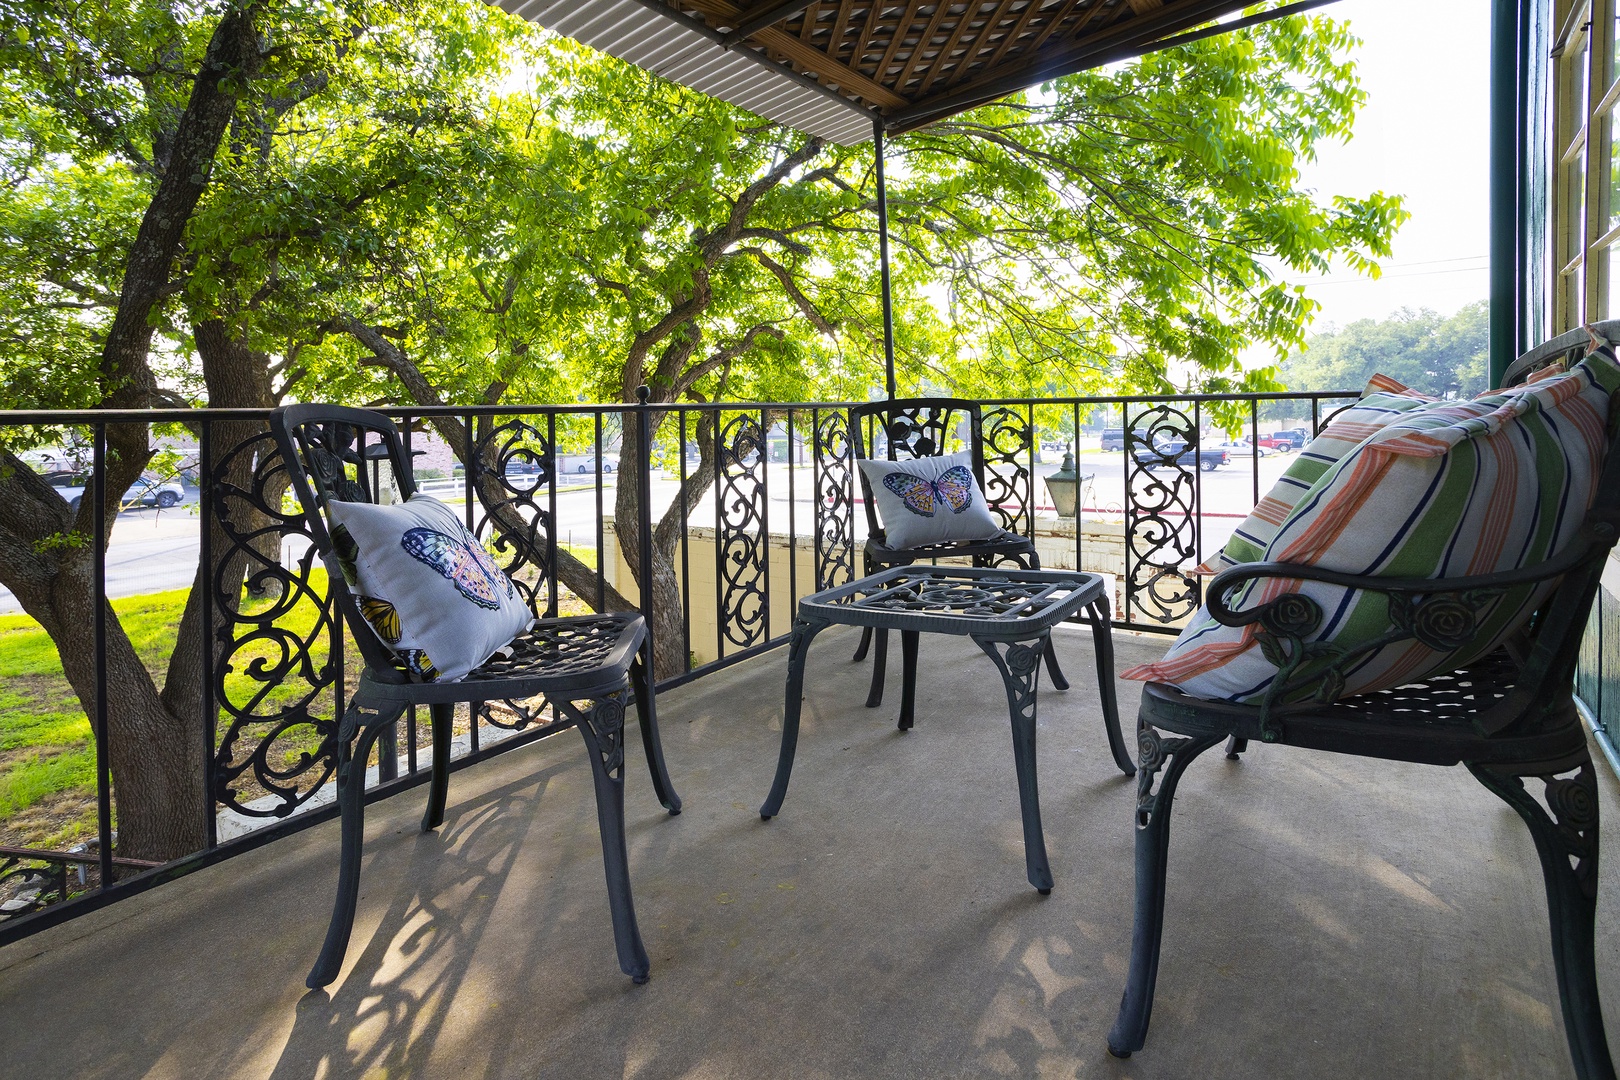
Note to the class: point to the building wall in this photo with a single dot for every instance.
(1102, 547)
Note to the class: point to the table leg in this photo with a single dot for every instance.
(804, 631)
(908, 678)
(1102, 637)
(880, 670)
(1020, 665)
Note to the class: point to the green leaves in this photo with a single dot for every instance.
(583, 228)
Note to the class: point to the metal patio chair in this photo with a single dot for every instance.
(584, 666)
(1509, 716)
(912, 428)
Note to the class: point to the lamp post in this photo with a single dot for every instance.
(1062, 485)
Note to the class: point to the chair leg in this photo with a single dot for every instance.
(866, 643)
(444, 717)
(1569, 833)
(1235, 746)
(353, 752)
(602, 728)
(1152, 843)
(1102, 639)
(866, 631)
(880, 667)
(647, 714)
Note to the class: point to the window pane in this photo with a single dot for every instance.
(1614, 180)
(1575, 200)
(1614, 288)
(1614, 53)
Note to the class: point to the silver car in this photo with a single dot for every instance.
(147, 490)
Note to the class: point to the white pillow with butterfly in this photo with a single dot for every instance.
(930, 500)
(426, 585)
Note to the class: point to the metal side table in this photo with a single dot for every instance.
(1008, 612)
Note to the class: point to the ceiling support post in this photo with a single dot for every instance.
(883, 259)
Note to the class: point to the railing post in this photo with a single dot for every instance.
(644, 528)
(103, 737)
(210, 709)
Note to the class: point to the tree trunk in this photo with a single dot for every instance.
(236, 377)
(155, 756)
(666, 618)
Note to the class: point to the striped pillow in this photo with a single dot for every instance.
(1454, 488)
(1382, 403)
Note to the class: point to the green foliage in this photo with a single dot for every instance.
(569, 239)
(1446, 356)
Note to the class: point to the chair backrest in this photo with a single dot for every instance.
(1554, 642)
(337, 454)
(910, 428)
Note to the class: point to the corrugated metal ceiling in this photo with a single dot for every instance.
(830, 67)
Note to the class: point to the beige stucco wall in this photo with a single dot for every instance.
(1102, 550)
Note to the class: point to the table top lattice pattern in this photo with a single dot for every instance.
(996, 602)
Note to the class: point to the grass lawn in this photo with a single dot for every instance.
(47, 753)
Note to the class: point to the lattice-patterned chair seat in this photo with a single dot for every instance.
(583, 667)
(912, 428)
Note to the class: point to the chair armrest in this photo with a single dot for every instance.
(1287, 613)
(1442, 613)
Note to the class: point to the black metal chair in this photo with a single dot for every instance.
(583, 666)
(1509, 716)
(912, 428)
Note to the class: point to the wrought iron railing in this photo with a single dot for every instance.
(754, 506)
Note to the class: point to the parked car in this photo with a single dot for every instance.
(1114, 438)
(1176, 451)
(147, 490)
(587, 462)
(1241, 448)
(1287, 440)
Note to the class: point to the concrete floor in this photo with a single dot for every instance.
(1327, 916)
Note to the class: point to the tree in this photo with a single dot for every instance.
(118, 118)
(1446, 356)
(335, 200)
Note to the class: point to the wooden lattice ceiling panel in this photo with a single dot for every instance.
(832, 67)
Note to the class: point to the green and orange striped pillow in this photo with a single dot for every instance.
(1452, 488)
(1383, 401)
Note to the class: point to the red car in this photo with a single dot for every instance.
(1292, 439)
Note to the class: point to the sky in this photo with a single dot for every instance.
(1423, 134)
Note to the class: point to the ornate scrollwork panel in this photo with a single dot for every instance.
(1564, 822)
(1020, 666)
(919, 432)
(741, 542)
(1006, 436)
(1160, 516)
(274, 675)
(1155, 753)
(834, 500)
(513, 469)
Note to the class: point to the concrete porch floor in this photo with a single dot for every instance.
(1327, 916)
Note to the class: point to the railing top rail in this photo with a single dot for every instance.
(56, 417)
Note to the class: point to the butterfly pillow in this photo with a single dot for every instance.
(932, 500)
(426, 586)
